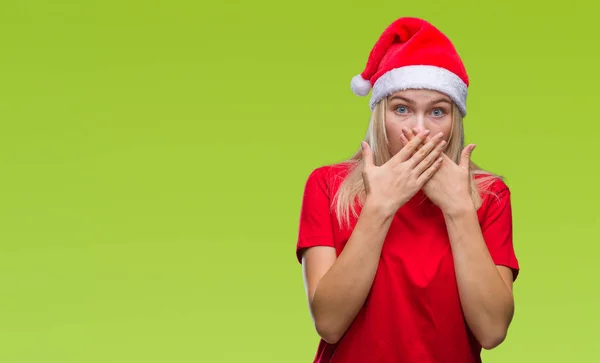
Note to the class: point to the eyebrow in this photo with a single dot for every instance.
(438, 100)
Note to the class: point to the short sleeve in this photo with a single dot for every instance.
(315, 227)
(497, 229)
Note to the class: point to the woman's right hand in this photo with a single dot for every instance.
(392, 184)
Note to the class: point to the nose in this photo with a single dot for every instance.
(419, 123)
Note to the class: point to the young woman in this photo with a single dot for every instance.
(407, 248)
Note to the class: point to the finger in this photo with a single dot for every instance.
(403, 139)
(409, 135)
(426, 149)
(427, 174)
(407, 151)
(465, 156)
(430, 158)
(415, 131)
(367, 154)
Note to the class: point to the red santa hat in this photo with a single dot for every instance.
(413, 54)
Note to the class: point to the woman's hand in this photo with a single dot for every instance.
(391, 185)
(450, 187)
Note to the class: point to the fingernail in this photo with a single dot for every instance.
(427, 132)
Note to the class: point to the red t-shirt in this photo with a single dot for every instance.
(413, 312)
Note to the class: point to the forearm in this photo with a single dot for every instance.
(342, 291)
(486, 300)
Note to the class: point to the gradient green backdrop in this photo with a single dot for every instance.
(153, 156)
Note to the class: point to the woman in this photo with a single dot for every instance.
(407, 248)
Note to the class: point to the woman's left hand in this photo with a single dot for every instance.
(450, 186)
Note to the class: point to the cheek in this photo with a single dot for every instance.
(393, 132)
(447, 130)
(444, 127)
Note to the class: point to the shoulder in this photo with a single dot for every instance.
(330, 174)
(491, 184)
(494, 191)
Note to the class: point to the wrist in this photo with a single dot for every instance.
(382, 210)
(460, 210)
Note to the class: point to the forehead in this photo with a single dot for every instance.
(420, 95)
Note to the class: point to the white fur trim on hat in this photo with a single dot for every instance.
(421, 77)
(360, 86)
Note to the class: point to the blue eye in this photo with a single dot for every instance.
(401, 109)
(438, 112)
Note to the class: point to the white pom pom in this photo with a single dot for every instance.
(360, 86)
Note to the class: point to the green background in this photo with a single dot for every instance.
(153, 156)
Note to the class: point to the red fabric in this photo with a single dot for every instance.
(412, 41)
(413, 311)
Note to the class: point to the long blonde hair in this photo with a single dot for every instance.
(352, 189)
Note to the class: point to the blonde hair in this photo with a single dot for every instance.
(352, 190)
